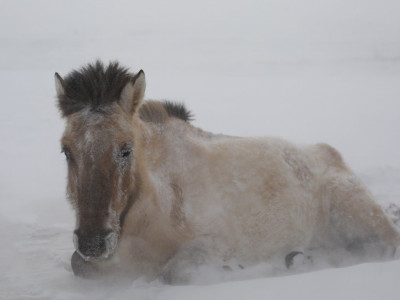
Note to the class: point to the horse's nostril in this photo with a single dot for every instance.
(95, 244)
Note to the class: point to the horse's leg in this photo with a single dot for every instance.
(179, 267)
(354, 213)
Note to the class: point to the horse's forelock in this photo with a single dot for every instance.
(94, 86)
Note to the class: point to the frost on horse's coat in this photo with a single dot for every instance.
(154, 195)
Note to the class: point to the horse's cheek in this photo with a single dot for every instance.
(121, 197)
(72, 184)
(128, 182)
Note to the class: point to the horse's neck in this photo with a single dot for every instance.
(171, 147)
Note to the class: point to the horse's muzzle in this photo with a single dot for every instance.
(94, 247)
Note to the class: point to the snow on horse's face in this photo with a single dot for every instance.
(101, 145)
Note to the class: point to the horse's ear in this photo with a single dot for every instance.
(133, 93)
(60, 86)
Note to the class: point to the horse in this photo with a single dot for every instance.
(154, 195)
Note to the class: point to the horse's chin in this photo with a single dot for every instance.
(82, 267)
(88, 266)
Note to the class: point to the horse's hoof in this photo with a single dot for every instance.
(295, 259)
(82, 268)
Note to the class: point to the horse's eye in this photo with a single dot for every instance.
(67, 153)
(125, 153)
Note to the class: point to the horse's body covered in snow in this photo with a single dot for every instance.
(155, 195)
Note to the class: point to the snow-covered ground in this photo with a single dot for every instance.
(309, 71)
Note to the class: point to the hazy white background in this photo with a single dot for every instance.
(309, 71)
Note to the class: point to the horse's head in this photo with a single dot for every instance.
(101, 143)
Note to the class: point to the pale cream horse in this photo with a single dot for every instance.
(155, 195)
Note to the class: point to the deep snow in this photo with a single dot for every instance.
(308, 71)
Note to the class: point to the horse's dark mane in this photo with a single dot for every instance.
(159, 112)
(93, 85)
(97, 86)
(178, 110)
